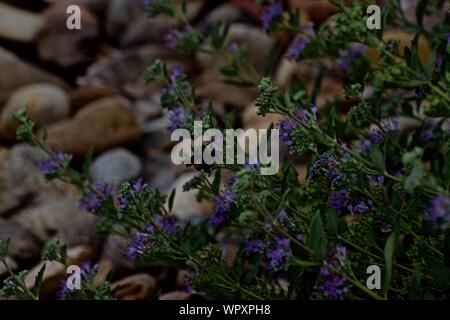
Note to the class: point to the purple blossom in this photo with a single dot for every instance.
(350, 55)
(376, 136)
(272, 15)
(139, 185)
(51, 164)
(168, 224)
(439, 211)
(139, 243)
(326, 161)
(177, 117)
(286, 126)
(222, 204)
(359, 208)
(332, 284)
(254, 246)
(364, 146)
(282, 216)
(92, 201)
(278, 254)
(233, 47)
(175, 35)
(339, 199)
(87, 270)
(447, 34)
(297, 46)
(386, 227)
(427, 132)
(377, 181)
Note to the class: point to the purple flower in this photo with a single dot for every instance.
(233, 47)
(332, 284)
(254, 246)
(139, 243)
(272, 15)
(222, 204)
(386, 227)
(377, 181)
(286, 126)
(175, 35)
(447, 34)
(296, 48)
(364, 146)
(177, 117)
(439, 211)
(339, 199)
(282, 216)
(139, 185)
(278, 254)
(168, 224)
(87, 270)
(51, 164)
(358, 208)
(376, 136)
(92, 201)
(427, 132)
(351, 54)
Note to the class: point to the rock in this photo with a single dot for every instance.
(82, 96)
(257, 41)
(64, 47)
(82, 231)
(124, 71)
(159, 170)
(11, 264)
(305, 70)
(97, 6)
(145, 111)
(128, 23)
(20, 177)
(105, 266)
(317, 10)
(45, 103)
(225, 13)
(115, 166)
(17, 73)
(185, 205)
(23, 244)
(101, 125)
(114, 251)
(136, 287)
(47, 214)
(56, 271)
(302, 171)
(19, 25)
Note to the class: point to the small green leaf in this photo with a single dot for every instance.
(316, 238)
(38, 281)
(388, 259)
(171, 199)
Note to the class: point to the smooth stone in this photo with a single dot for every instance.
(136, 287)
(115, 166)
(24, 245)
(19, 25)
(45, 104)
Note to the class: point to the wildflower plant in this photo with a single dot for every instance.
(375, 193)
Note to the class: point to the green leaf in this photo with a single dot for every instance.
(316, 238)
(388, 259)
(87, 163)
(38, 281)
(420, 11)
(4, 248)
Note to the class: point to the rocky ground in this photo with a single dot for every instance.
(87, 87)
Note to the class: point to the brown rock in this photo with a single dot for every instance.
(45, 104)
(114, 251)
(101, 125)
(11, 264)
(251, 120)
(23, 244)
(136, 287)
(82, 96)
(317, 10)
(124, 71)
(179, 295)
(17, 73)
(19, 25)
(62, 46)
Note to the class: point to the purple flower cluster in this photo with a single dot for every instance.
(222, 204)
(139, 243)
(300, 42)
(340, 200)
(137, 187)
(278, 254)
(51, 164)
(439, 211)
(332, 284)
(168, 224)
(272, 15)
(287, 125)
(377, 181)
(427, 132)
(351, 54)
(92, 201)
(87, 270)
(177, 118)
(175, 35)
(377, 136)
(254, 246)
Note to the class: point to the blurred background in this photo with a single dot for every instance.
(87, 87)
